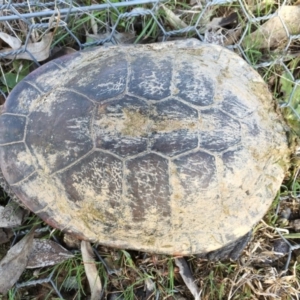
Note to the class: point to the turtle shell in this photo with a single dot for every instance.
(171, 148)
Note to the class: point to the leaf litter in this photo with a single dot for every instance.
(276, 31)
(15, 262)
(46, 253)
(11, 215)
(91, 270)
(38, 51)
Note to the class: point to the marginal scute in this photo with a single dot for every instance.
(26, 189)
(12, 128)
(45, 196)
(16, 162)
(95, 186)
(68, 60)
(21, 98)
(47, 77)
(58, 131)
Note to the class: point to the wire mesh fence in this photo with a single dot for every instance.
(267, 37)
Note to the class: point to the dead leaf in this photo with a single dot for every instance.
(173, 20)
(214, 24)
(46, 253)
(39, 50)
(5, 235)
(230, 20)
(91, 270)
(215, 32)
(255, 6)
(13, 42)
(14, 263)
(111, 266)
(273, 33)
(94, 25)
(187, 277)
(11, 215)
(149, 288)
(118, 37)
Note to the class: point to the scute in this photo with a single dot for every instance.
(121, 127)
(16, 162)
(193, 85)
(148, 190)
(95, 183)
(102, 83)
(12, 128)
(196, 170)
(233, 106)
(172, 148)
(174, 128)
(45, 78)
(152, 81)
(218, 130)
(58, 131)
(21, 98)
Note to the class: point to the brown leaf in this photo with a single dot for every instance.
(91, 270)
(46, 253)
(11, 215)
(273, 33)
(14, 263)
(39, 50)
(5, 235)
(174, 21)
(119, 37)
(13, 42)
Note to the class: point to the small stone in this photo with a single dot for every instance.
(286, 213)
(281, 247)
(283, 222)
(295, 225)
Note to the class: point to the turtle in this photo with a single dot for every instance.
(175, 147)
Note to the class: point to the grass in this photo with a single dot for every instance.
(137, 273)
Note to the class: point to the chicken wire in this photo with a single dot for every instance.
(34, 19)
